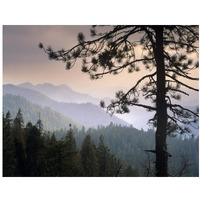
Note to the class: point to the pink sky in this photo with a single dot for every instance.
(23, 61)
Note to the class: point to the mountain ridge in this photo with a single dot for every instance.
(138, 117)
(51, 120)
(61, 93)
(87, 114)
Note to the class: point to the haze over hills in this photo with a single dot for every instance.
(51, 120)
(87, 114)
(61, 93)
(138, 117)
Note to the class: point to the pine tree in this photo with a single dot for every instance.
(70, 141)
(89, 158)
(19, 120)
(61, 158)
(18, 127)
(103, 158)
(9, 159)
(20, 143)
(73, 164)
(34, 152)
(39, 124)
(52, 163)
(167, 55)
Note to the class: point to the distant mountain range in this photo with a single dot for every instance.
(62, 93)
(87, 114)
(84, 108)
(138, 117)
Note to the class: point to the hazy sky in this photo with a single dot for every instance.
(23, 61)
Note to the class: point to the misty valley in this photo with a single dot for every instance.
(53, 131)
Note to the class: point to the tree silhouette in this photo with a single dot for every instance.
(39, 124)
(89, 158)
(9, 159)
(167, 53)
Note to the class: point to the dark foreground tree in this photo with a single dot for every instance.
(9, 159)
(20, 143)
(169, 54)
(89, 157)
(73, 165)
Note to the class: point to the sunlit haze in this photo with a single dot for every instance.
(23, 61)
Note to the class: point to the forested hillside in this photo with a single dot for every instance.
(52, 120)
(30, 152)
(125, 142)
(129, 145)
(83, 113)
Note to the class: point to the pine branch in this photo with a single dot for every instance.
(176, 90)
(181, 43)
(182, 108)
(139, 81)
(182, 75)
(121, 67)
(151, 151)
(173, 64)
(181, 83)
(143, 106)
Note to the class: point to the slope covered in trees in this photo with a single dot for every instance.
(130, 145)
(29, 152)
(52, 120)
(105, 151)
(82, 113)
(63, 93)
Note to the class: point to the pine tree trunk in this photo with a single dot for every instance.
(161, 108)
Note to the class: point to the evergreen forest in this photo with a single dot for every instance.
(107, 151)
(30, 152)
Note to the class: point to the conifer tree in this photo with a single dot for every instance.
(70, 141)
(53, 139)
(9, 159)
(18, 126)
(39, 124)
(35, 153)
(52, 156)
(19, 120)
(73, 164)
(20, 143)
(167, 55)
(89, 158)
(103, 158)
